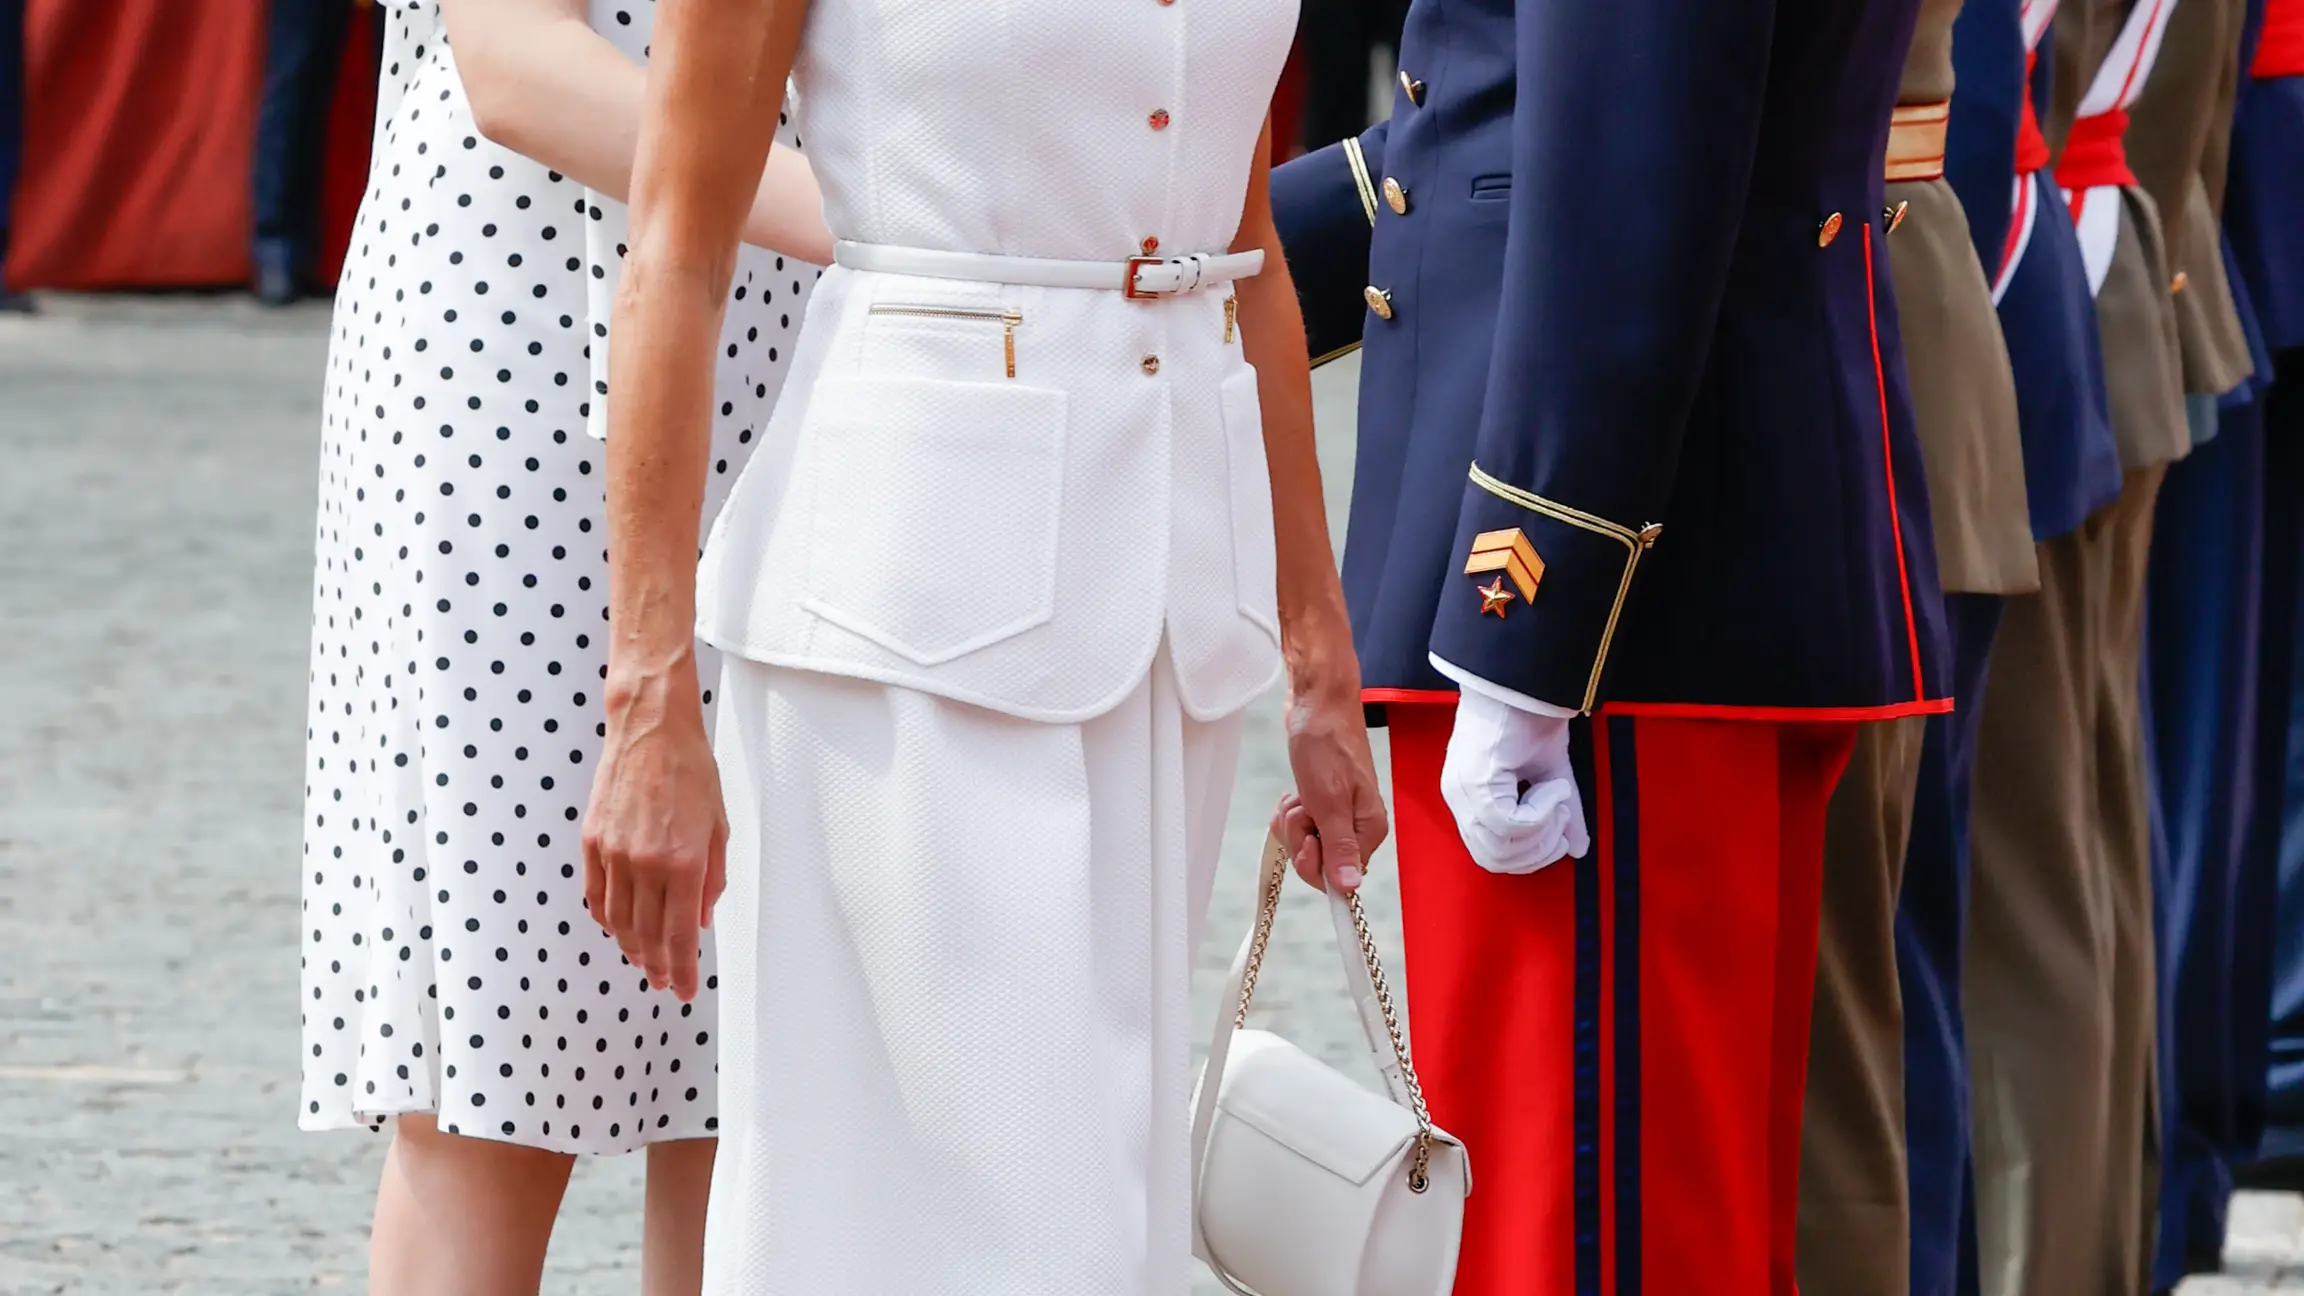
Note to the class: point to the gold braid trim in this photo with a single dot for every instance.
(1635, 544)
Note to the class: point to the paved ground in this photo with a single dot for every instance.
(156, 477)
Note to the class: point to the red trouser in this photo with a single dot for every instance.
(1622, 1041)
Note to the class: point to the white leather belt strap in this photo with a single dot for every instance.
(1136, 277)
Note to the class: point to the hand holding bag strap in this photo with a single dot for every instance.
(1371, 995)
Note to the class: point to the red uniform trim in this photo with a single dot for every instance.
(2280, 49)
(2096, 153)
(1697, 710)
(1776, 715)
(2031, 146)
(1888, 466)
(2015, 237)
(1382, 695)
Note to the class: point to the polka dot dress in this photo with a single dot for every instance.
(459, 608)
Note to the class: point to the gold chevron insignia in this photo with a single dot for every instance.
(1509, 552)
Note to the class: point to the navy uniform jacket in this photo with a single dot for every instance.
(2071, 463)
(2265, 191)
(1627, 298)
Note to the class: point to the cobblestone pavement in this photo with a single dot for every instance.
(156, 477)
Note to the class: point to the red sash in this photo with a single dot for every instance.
(2031, 145)
(2280, 50)
(2094, 154)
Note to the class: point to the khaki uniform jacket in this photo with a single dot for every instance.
(2179, 136)
(1963, 394)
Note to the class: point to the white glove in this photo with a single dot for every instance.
(1494, 749)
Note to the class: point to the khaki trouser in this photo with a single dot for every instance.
(2059, 995)
(1855, 1233)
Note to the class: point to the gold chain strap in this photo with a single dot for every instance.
(1267, 909)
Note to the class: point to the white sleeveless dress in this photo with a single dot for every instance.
(459, 603)
(992, 596)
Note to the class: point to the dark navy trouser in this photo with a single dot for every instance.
(1931, 918)
(11, 109)
(304, 47)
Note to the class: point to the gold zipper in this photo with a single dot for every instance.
(1231, 315)
(1006, 319)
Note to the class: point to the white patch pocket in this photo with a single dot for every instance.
(935, 508)
(1254, 566)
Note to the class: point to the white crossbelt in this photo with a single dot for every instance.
(1136, 277)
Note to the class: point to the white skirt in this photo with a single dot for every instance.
(956, 955)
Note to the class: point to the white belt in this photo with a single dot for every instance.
(1137, 277)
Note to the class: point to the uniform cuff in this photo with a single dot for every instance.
(1540, 593)
(1472, 683)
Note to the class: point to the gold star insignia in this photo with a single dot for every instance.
(1493, 597)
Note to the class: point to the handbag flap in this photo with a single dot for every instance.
(1310, 1108)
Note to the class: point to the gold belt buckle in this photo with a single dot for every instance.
(1128, 287)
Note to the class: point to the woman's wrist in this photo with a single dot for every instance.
(1322, 663)
(642, 680)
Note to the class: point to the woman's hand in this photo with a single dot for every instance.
(1335, 818)
(655, 836)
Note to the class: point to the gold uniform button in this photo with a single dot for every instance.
(2177, 284)
(1151, 365)
(1828, 231)
(1412, 88)
(1159, 119)
(1151, 244)
(1378, 301)
(1395, 196)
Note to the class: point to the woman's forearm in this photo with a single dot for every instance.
(545, 85)
(705, 134)
(661, 374)
(1314, 628)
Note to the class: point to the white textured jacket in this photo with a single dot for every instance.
(1003, 495)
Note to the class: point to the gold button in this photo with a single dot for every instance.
(1378, 301)
(1828, 231)
(1412, 88)
(1895, 215)
(1159, 119)
(2176, 285)
(1151, 244)
(1395, 197)
(1151, 364)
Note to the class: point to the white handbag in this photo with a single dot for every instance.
(1304, 1182)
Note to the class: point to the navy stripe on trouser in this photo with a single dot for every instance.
(1623, 1176)
(1624, 791)
(1931, 921)
(1587, 1050)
